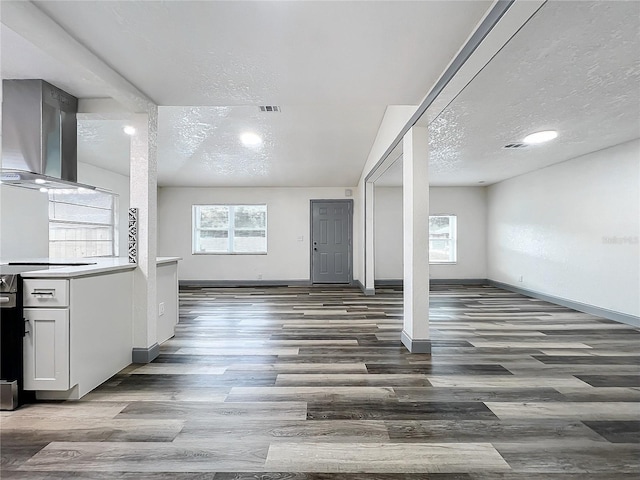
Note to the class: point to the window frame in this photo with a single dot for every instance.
(195, 228)
(54, 199)
(453, 240)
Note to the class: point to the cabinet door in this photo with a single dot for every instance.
(46, 349)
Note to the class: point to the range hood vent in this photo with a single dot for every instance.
(39, 135)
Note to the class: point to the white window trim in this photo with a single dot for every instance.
(195, 227)
(453, 241)
(113, 223)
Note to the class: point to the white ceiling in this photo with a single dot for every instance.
(574, 67)
(333, 67)
(221, 53)
(104, 144)
(200, 146)
(20, 59)
(320, 146)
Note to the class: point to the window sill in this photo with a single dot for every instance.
(443, 263)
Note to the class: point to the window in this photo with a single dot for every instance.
(229, 229)
(82, 223)
(442, 239)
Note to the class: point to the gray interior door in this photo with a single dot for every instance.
(331, 241)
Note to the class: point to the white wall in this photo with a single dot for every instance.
(468, 203)
(167, 294)
(388, 233)
(24, 223)
(24, 214)
(288, 218)
(116, 183)
(395, 118)
(571, 230)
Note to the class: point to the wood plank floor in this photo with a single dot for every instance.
(311, 383)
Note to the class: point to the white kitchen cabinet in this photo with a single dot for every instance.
(80, 332)
(46, 349)
(81, 322)
(46, 293)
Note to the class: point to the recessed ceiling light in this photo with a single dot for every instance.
(540, 137)
(44, 190)
(129, 130)
(250, 139)
(40, 181)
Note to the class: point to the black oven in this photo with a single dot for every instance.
(12, 332)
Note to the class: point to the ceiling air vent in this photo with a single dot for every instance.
(269, 108)
(516, 145)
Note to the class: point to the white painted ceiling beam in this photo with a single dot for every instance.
(28, 21)
(100, 105)
(464, 66)
(509, 24)
(387, 163)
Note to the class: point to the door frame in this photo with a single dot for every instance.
(349, 203)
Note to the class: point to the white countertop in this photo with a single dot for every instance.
(99, 265)
(163, 260)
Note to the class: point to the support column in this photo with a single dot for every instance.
(369, 246)
(415, 201)
(144, 197)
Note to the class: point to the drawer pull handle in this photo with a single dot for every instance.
(5, 299)
(44, 292)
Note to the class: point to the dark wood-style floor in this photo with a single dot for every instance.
(312, 383)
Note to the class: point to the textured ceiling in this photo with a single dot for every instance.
(103, 143)
(221, 53)
(22, 60)
(574, 67)
(302, 146)
(333, 67)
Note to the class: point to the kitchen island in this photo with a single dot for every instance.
(80, 321)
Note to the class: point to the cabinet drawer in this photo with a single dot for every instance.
(46, 293)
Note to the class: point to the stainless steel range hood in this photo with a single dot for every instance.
(39, 135)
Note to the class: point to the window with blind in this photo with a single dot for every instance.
(442, 239)
(229, 229)
(82, 223)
